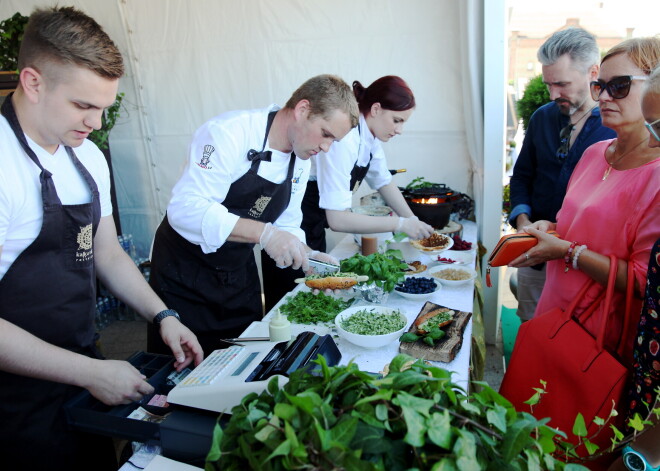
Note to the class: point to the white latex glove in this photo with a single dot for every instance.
(415, 228)
(283, 247)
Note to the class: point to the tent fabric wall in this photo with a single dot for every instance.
(189, 60)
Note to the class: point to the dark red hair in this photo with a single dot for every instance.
(392, 92)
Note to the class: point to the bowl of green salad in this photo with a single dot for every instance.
(370, 327)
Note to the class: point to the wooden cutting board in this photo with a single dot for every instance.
(446, 348)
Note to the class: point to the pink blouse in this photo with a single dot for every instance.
(620, 216)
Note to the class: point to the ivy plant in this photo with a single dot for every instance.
(108, 121)
(412, 418)
(11, 35)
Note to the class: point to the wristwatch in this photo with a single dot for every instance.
(635, 461)
(163, 314)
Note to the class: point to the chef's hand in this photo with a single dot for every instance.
(182, 342)
(415, 228)
(283, 247)
(116, 382)
(548, 248)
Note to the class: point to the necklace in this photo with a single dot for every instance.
(588, 112)
(611, 164)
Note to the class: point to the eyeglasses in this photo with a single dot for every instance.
(618, 87)
(564, 141)
(654, 129)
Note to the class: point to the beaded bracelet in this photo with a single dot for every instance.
(568, 258)
(577, 253)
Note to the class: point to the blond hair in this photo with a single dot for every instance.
(653, 83)
(643, 52)
(325, 94)
(65, 36)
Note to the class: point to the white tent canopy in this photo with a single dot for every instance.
(189, 60)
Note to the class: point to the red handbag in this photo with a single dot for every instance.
(581, 375)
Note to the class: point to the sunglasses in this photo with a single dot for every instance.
(654, 129)
(564, 141)
(617, 88)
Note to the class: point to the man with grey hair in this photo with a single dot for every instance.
(557, 135)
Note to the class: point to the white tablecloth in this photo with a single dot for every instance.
(458, 298)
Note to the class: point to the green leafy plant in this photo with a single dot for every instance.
(534, 96)
(413, 418)
(108, 121)
(11, 35)
(384, 269)
(436, 333)
(419, 182)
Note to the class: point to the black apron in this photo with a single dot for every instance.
(278, 282)
(218, 294)
(50, 291)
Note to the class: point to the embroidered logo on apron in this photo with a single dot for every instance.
(206, 157)
(259, 206)
(84, 239)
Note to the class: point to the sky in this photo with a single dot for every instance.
(609, 16)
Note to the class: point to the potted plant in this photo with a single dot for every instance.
(11, 35)
(535, 95)
(384, 270)
(413, 417)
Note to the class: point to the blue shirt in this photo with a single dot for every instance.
(540, 178)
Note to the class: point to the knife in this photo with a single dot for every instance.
(322, 268)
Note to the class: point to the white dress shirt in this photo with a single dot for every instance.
(217, 158)
(21, 205)
(333, 169)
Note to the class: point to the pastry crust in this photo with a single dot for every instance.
(425, 322)
(415, 267)
(331, 282)
(433, 243)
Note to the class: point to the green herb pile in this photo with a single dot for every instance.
(384, 269)
(307, 308)
(414, 418)
(316, 276)
(436, 333)
(419, 182)
(370, 322)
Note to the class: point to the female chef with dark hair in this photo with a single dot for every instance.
(385, 106)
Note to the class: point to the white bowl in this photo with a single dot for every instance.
(419, 297)
(437, 269)
(369, 341)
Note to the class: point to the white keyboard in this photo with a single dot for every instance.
(212, 367)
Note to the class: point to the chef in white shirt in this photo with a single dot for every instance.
(337, 173)
(244, 183)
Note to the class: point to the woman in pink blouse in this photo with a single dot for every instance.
(612, 205)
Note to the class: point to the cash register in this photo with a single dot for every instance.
(182, 412)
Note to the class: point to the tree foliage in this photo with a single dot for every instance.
(11, 35)
(535, 95)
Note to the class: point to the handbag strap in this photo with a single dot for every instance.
(627, 321)
(609, 293)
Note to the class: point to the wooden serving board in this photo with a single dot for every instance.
(446, 348)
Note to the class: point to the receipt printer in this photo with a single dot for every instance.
(226, 376)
